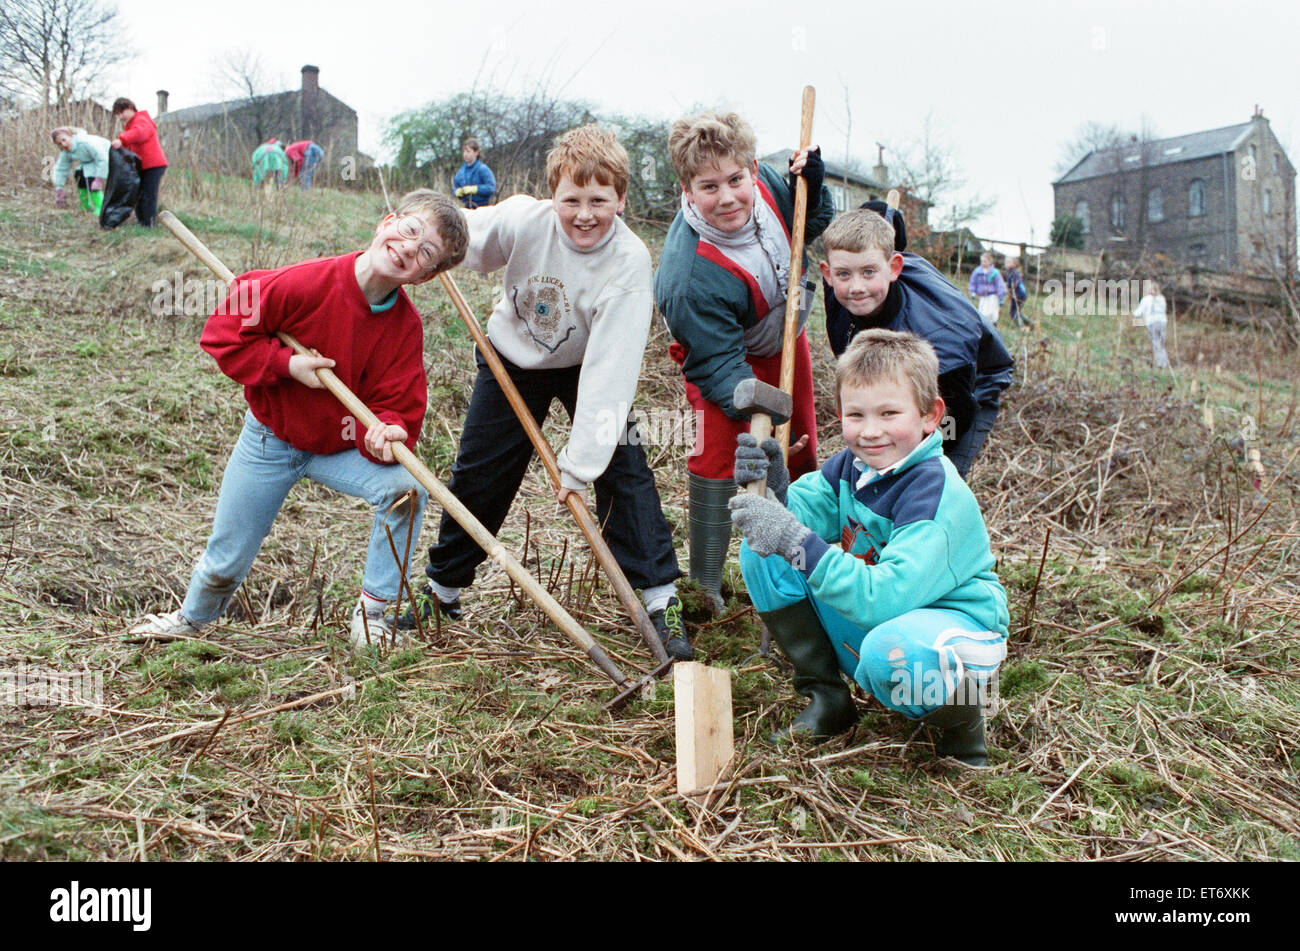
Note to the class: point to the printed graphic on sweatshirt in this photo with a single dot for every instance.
(543, 308)
(849, 535)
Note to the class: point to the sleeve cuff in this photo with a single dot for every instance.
(281, 361)
(813, 548)
(572, 483)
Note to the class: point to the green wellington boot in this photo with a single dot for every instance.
(960, 727)
(830, 710)
(709, 532)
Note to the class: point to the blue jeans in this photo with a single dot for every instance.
(311, 158)
(261, 471)
(912, 663)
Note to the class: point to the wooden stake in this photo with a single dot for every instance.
(702, 696)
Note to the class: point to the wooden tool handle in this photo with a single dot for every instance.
(794, 290)
(577, 508)
(409, 461)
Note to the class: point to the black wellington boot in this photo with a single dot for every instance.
(817, 676)
(709, 532)
(959, 725)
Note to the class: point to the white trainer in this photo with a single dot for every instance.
(170, 625)
(371, 631)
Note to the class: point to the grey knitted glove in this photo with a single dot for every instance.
(754, 463)
(769, 527)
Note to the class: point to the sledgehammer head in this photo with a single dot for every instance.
(754, 396)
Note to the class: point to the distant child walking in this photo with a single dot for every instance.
(1151, 311)
(988, 289)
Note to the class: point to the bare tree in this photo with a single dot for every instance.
(53, 51)
(930, 167)
(1090, 137)
(244, 77)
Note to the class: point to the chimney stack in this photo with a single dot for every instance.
(880, 172)
(310, 101)
(162, 102)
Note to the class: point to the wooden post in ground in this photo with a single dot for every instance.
(702, 700)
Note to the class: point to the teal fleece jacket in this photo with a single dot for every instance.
(912, 538)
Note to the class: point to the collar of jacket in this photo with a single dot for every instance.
(929, 447)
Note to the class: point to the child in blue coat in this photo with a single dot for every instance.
(879, 564)
(474, 182)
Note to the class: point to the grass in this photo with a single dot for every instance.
(1148, 708)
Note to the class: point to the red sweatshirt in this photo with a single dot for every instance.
(296, 153)
(378, 356)
(141, 137)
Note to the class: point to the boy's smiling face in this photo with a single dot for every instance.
(881, 421)
(399, 259)
(723, 194)
(586, 212)
(861, 280)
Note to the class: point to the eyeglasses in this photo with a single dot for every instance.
(412, 228)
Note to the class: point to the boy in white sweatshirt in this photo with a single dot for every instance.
(571, 325)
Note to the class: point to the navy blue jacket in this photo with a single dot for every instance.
(974, 365)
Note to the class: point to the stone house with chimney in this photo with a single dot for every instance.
(221, 136)
(851, 188)
(1222, 199)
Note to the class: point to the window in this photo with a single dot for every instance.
(837, 193)
(1081, 212)
(1155, 205)
(1198, 252)
(1277, 257)
(1254, 155)
(1268, 201)
(1117, 211)
(1277, 164)
(1196, 198)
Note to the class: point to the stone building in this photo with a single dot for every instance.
(1223, 199)
(221, 136)
(850, 189)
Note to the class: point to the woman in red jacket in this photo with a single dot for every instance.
(141, 136)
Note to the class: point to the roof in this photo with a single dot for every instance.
(209, 110)
(1180, 148)
(834, 170)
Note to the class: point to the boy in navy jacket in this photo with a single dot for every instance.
(870, 281)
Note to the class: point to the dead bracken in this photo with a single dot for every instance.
(1148, 709)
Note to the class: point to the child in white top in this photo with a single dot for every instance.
(1151, 312)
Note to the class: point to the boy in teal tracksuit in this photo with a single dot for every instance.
(878, 565)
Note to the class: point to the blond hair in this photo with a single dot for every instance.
(859, 231)
(876, 355)
(709, 139)
(446, 216)
(588, 153)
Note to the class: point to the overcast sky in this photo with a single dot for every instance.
(1007, 84)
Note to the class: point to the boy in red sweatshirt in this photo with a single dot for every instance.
(353, 308)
